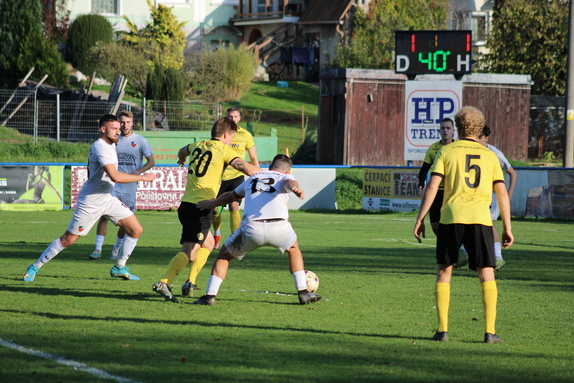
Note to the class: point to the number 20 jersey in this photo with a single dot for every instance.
(469, 171)
(265, 196)
(207, 161)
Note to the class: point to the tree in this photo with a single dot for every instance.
(85, 33)
(530, 37)
(56, 20)
(163, 40)
(373, 42)
(22, 46)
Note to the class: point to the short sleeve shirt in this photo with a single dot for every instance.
(469, 171)
(265, 196)
(207, 161)
(242, 140)
(131, 152)
(101, 154)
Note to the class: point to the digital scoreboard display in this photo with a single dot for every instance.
(433, 52)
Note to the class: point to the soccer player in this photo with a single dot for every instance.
(242, 142)
(470, 172)
(96, 200)
(265, 223)
(494, 210)
(208, 159)
(131, 148)
(446, 134)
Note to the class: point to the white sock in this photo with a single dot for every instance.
(51, 251)
(129, 245)
(497, 251)
(118, 242)
(300, 280)
(100, 242)
(213, 285)
(216, 232)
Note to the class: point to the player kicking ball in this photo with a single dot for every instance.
(265, 223)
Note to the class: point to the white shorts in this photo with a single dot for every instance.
(494, 210)
(89, 210)
(256, 234)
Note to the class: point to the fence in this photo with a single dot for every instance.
(73, 117)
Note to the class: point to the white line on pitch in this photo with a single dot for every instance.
(67, 362)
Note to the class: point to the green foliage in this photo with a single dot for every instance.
(530, 37)
(123, 59)
(222, 75)
(349, 189)
(86, 31)
(56, 20)
(23, 46)
(306, 154)
(162, 40)
(373, 43)
(164, 84)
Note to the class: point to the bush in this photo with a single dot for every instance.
(85, 32)
(164, 84)
(222, 75)
(306, 154)
(349, 188)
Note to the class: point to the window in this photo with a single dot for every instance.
(105, 6)
(478, 26)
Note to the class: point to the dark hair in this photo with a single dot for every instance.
(446, 119)
(233, 109)
(485, 131)
(107, 118)
(221, 126)
(281, 162)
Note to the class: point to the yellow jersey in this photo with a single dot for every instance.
(207, 161)
(469, 171)
(242, 140)
(431, 155)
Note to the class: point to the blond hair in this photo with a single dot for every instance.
(469, 122)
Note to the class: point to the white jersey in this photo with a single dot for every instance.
(131, 152)
(504, 164)
(265, 196)
(101, 154)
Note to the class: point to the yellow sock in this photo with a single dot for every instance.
(217, 222)
(197, 265)
(235, 220)
(176, 265)
(489, 300)
(442, 293)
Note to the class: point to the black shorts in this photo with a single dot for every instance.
(434, 212)
(195, 222)
(478, 240)
(230, 185)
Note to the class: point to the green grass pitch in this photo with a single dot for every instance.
(372, 325)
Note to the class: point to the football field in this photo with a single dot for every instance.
(76, 324)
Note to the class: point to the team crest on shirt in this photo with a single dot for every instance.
(200, 236)
(133, 144)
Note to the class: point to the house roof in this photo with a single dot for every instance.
(325, 12)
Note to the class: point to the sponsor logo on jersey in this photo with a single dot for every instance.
(133, 144)
(80, 229)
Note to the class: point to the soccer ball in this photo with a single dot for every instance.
(312, 281)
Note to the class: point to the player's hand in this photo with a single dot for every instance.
(507, 239)
(419, 231)
(299, 193)
(206, 204)
(148, 177)
(181, 161)
(421, 190)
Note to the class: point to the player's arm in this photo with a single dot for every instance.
(253, 156)
(426, 203)
(244, 166)
(504, 206)
(511, 182)
(125, 178)
(222, 200)
(182, 155)
(423, 176)
(293, 186)
(148, 165)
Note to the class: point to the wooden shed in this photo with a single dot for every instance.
(362, 114)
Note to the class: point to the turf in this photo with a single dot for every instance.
(372, 325)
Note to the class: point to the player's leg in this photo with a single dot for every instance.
(485, 261)
(217, 226)
(218, 274)
(49, 253)
(123, 217)
(235, 216)
(199, 261)
(494, 214)
(100, 237)
(129, 200)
